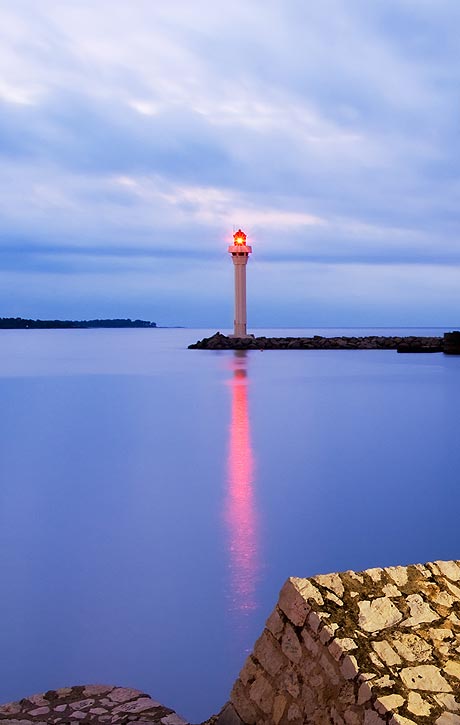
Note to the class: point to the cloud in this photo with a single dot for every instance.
(143, 131)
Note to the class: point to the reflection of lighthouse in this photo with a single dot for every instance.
(240, 509)
(240, 252)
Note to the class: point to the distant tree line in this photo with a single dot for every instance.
(18, 323)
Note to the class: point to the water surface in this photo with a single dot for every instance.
(153, 499)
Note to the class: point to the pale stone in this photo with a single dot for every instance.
(454, 589)
(93, 690)
(140, 705)
(268, 652)
(310, 643)
(449, 569)
(293, 604)
(411, 647)
(173, 719)
(326, 635)
(274, 623)
(372, 718)
(61, 708)
(339, 646)
(347, 694)
(332, 582)
(400, 720)
(39, 711)
(364, 693)
(314, 621)
(333, 598)
(352, 718)
(309, 699)
(279, 705)
(417, 705)
(391, 591)
(440, 634)
(244, 708)
(249, 670)
(98, 711)
(347, 644)
(79, 715)
(452, 668)
(353, 575)
(375, 660)
(384, 681)
(447, 718)
(388, 703)
(316, 681)
(398, 574)
(378, 614)
(375, 574)
(38, 700)
(336, 718)
(289, 682)
(443, 599)
(330, 668)
(294, 713)
(386, 653)
(262, 694)
(124, 694)
(307, 590)
(66, 691)
(81, 704)
(290, 645)
(448, 701)
(424, 677)
(420, 611)
(422, 569)
(349, 667)
(11, 708)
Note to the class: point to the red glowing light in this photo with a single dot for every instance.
(240, 509)
(239, 237)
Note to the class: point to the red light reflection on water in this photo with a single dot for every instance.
(240, 505)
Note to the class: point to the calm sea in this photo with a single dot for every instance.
(154, 499)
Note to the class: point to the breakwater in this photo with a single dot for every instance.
(409, 344)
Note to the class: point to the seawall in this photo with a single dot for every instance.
(369, 648)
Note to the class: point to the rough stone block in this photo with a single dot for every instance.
(269, 654)
(293, 604)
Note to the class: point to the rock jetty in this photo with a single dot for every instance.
(370, 342)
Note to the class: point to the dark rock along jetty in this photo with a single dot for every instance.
(450, 343)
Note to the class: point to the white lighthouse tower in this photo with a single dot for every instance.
(240, 252)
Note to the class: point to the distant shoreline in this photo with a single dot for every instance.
(19, 323)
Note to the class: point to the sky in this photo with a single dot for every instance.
(135, 136)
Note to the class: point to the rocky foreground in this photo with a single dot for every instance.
(370, 342)
(88, 705)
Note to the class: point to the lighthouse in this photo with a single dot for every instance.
(240, 252)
